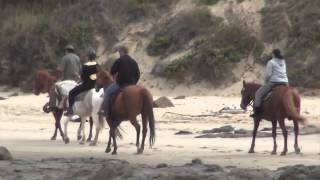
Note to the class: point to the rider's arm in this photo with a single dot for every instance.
(77, 76)
(114, 68)
(61, 66)
(268, 72)
(137, 72)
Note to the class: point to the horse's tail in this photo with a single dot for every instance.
(118, 132)
(148, 108)
(292, 105)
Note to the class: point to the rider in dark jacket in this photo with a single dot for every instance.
(88, 77)
(126, 72)
(70, 68)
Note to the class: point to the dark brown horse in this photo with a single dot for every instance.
(283, 103)
(43, 83)
(131, 101)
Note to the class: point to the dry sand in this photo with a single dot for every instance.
(26, 131)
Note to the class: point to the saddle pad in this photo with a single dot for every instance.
(64, 87)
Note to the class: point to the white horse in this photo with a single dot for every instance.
(89, 106)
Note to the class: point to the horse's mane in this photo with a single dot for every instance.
(43, 73)
(252, 86)
(104, 77)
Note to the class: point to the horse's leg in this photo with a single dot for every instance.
(254, 134)
(90, 131)
(274, 136)
(83, 125)
(296, 133)
(108, 149)
(136, 125)
(285, 136)
(66, 138)
(95, 120)
(115, 147)
(59, 116)
(144, 132)
(79, 131)
(54, 137)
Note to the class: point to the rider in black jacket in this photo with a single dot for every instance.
(126, 72)
(88, 77)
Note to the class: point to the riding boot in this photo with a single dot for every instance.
(256, 112)
(69, 111)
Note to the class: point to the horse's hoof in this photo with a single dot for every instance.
(283, 154)
(108, 150)
(89, 140)
(79, 137)
(273, 153)
(297, 150)
(93, 144)
(66, 140)
(251, 151)
(140, 151)
(53, 138)
(114, 152)
(81, 142)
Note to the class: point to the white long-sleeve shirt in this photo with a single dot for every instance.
(276, 71)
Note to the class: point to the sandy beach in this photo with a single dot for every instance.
(26, 132)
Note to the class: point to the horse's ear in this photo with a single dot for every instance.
(244, 83)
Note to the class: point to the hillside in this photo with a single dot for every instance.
(192, 46)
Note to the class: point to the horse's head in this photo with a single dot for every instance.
(248, 92)
(42, 81)
(104, 79)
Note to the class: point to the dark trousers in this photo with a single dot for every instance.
(85, 86)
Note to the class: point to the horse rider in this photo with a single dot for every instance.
(276, 74)
(88, 80)
(70, 66)
(125, 71)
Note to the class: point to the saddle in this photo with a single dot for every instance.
(270, 93)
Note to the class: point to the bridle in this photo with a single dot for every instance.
(250, 104)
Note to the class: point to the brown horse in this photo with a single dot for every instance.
(131, 101)
(283, 103)
(43, 83)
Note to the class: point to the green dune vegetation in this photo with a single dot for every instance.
(33, 33)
